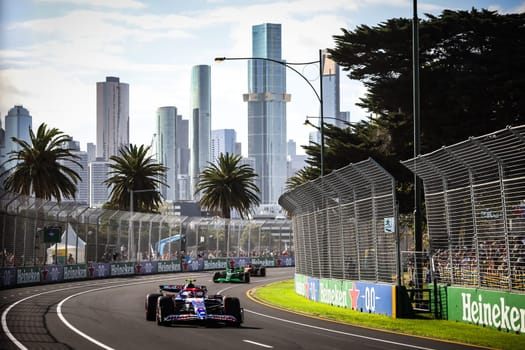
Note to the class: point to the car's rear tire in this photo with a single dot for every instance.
(232, 306)
(216, 276)
(263, 272)
(246, 277)
(165, 307)
(151, 306)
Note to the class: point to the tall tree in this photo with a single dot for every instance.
(471, 73)
(228, 185)
(472, 83)
(133, 170)
(40, 166)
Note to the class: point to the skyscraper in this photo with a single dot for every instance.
(172, 151)
(82, 194)
(112, 117)
(331, 90)
(267, 99)
(200, 121)
(99, 193)
(18, 121)
(222, 141)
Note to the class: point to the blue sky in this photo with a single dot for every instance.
(52, 53)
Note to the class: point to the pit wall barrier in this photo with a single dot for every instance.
(12, 277)
(496, 309)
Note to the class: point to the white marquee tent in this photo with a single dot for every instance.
(75, 246)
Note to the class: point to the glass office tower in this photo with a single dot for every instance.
(112, 117)
(200, 121)
(267, 99)
(172, 150)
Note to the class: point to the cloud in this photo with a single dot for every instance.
(115, 4)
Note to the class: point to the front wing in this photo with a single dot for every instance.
(194, 317)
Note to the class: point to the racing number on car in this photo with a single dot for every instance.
(370, 299)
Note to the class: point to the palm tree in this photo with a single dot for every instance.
(228, 185)
(40, 166)
(135, 171)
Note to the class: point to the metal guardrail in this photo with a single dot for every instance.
(340, 224)
(475, 206)
(100, 235)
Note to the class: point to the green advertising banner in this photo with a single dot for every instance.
(501, 310)
(300, 284)
(335, 292)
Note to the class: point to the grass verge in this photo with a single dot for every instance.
(282, 294)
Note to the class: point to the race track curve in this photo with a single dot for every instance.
(109, 314)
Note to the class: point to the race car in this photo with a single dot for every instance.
(231, 276)
(255, 269)
(190, 303)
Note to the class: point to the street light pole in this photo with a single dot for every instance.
(290, 65)
(418, 235)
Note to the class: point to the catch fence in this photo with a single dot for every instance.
(100, 235)
(475, 209)
(344, 226)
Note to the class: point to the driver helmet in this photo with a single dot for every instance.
(187, 294)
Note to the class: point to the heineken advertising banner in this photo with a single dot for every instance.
(373, 298)
(270, 262)
(99, 270)
(335, 292)
(7, 277)
(52, 273)
(193, 264)
(215, 264)
(307, 286)
(122, 269)
(146, 267)
(300, 284)
(501, 310)
(169, 266)
(28, 275)
(361, 296)
(287, 261)
(75, 272)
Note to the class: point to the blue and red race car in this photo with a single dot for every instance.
(191, 303)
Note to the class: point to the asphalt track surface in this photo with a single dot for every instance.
(109, 314)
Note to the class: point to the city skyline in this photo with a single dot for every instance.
(53, 51)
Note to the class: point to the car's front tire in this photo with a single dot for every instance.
(151, 306)
(165, 307)
(232, 306)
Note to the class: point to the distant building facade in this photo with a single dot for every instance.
(112, 117)
(200, 121)
(98, 192)
(173, 152)
(267, 100)
(223, 141)
(18, 121)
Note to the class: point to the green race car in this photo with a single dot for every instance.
(231, 276)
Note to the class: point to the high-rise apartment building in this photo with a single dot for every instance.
(18, 121)
(82, 194)
(173, 152)
(98, 192)
(200, 121)
(222, 141)
(91, 150)
(267, 99)
(331, 91)
(112, 117)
